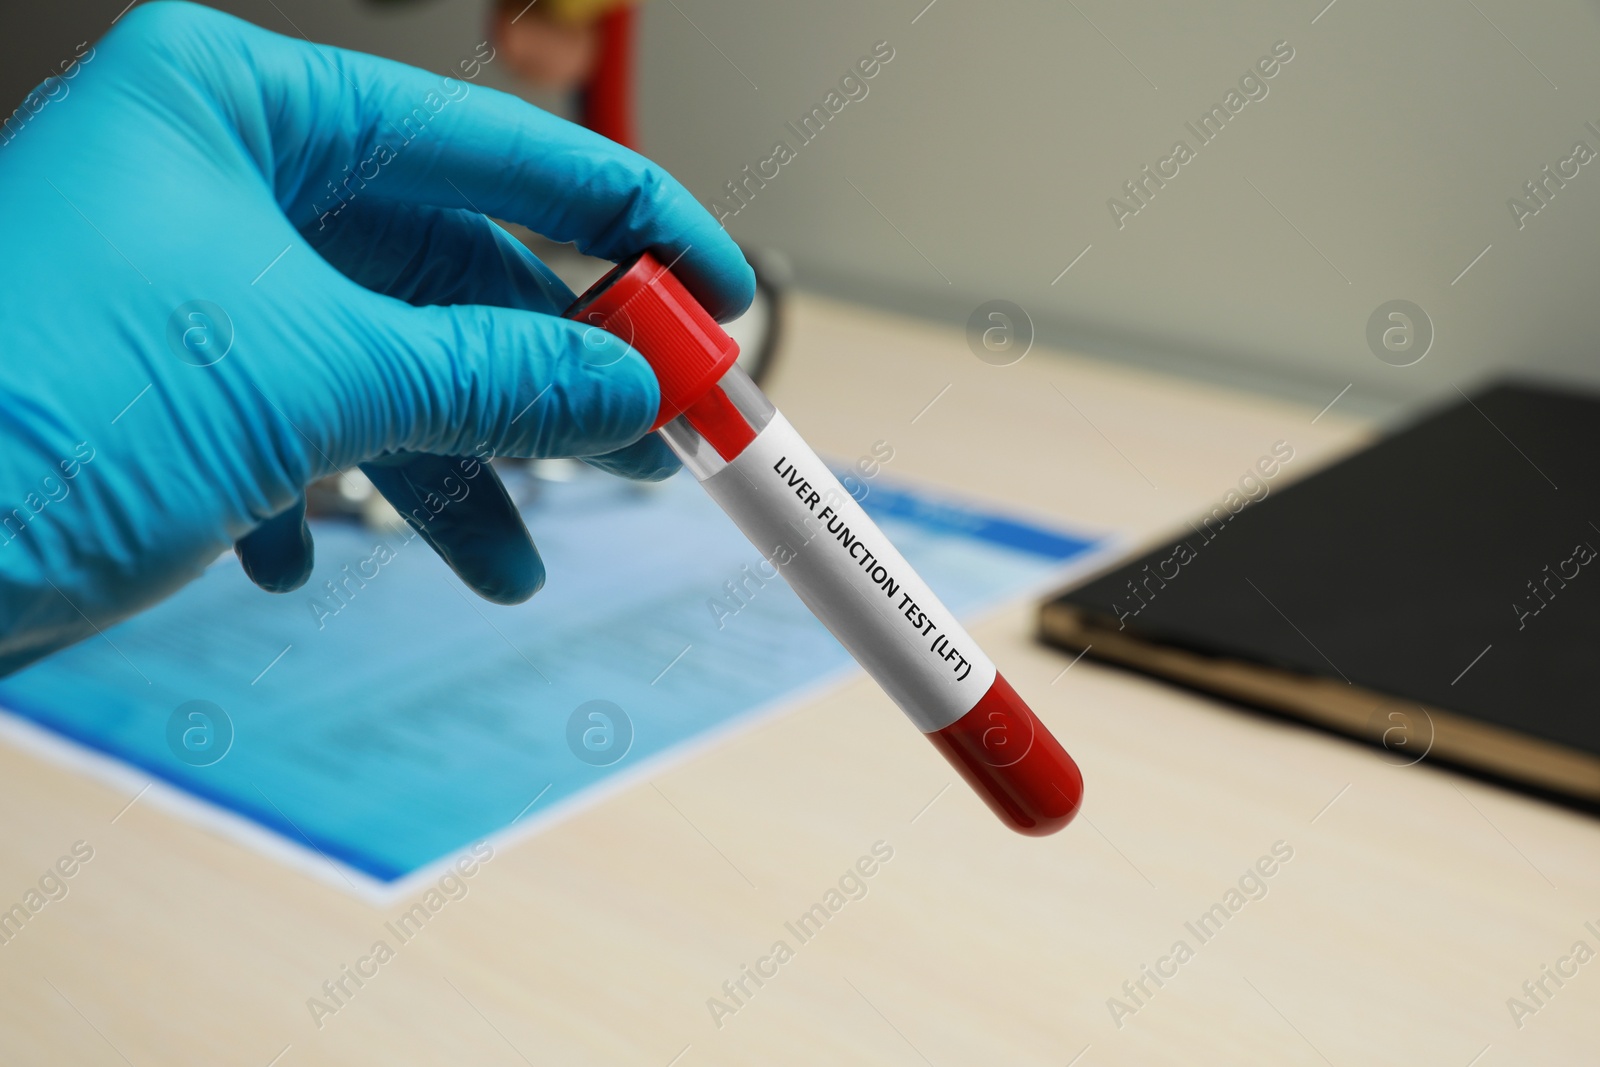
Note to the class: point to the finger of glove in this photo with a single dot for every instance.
(427, 255)
(431, 255)
(278, 555)
(342, 125)
(646, 460)
(462, 510)
(469, 380)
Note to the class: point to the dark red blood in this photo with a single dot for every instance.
(1013, 761)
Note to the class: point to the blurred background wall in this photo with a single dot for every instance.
(1378, 166)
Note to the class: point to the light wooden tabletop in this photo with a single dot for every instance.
(1412, 906)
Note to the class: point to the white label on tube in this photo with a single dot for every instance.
(796, 513)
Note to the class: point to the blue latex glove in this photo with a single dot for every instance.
(332, 206)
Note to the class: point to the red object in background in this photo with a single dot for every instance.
(608, 94)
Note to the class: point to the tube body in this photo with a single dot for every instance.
(797, 515)
(800, 518)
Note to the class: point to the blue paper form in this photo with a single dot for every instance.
(393, 721)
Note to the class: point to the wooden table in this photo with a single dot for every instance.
(1416, 902)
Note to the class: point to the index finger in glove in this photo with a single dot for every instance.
(326, 124)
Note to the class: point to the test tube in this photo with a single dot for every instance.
(806, 525)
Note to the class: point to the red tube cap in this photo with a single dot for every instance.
(1014, 762)
(642, 302)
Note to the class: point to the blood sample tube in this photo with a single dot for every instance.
(798, 516)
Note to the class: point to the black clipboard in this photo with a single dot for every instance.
(1437, 593)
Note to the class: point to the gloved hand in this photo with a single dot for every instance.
(237, 262)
